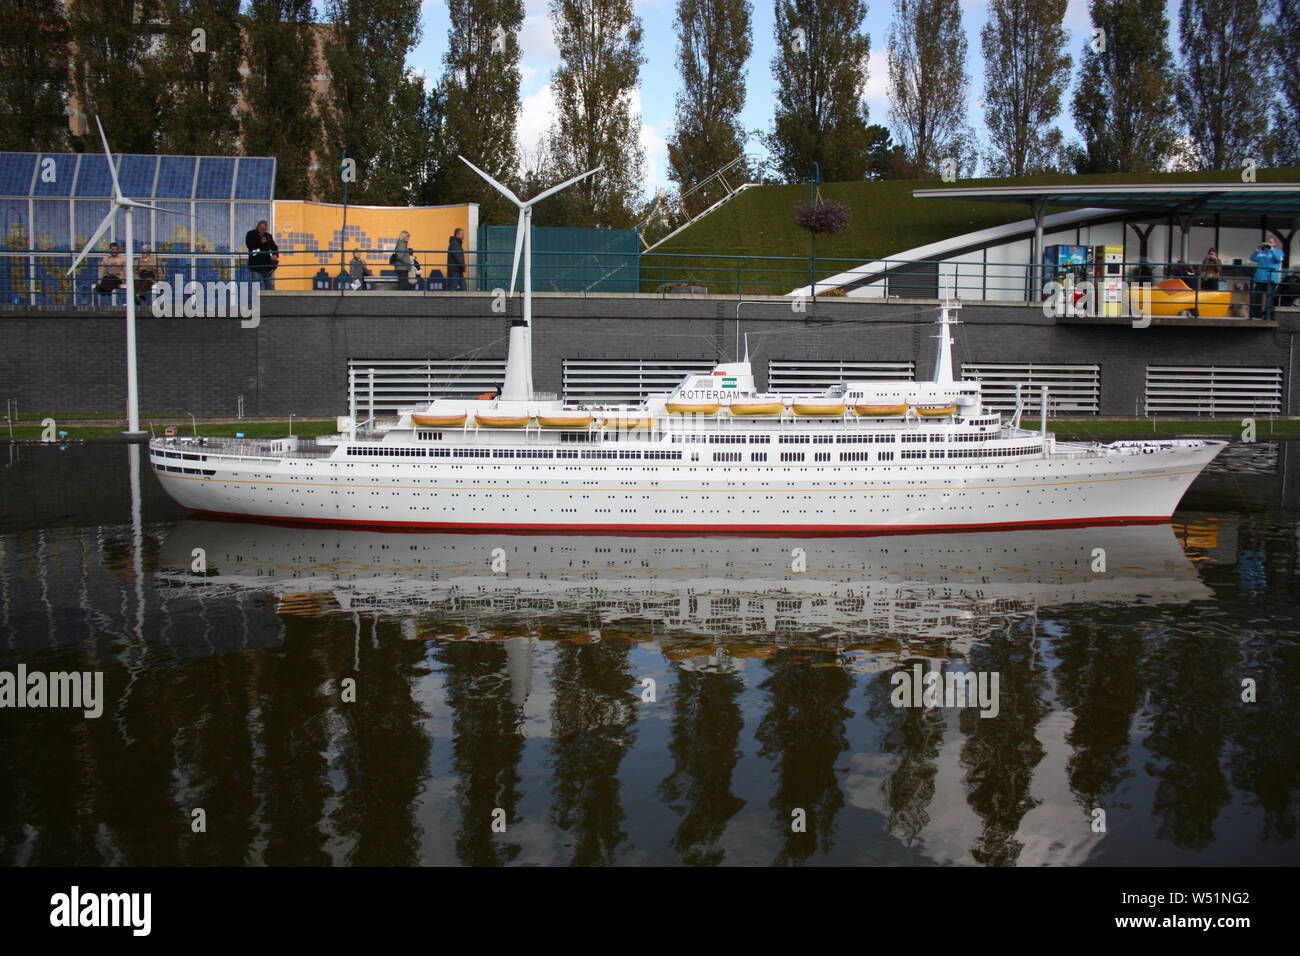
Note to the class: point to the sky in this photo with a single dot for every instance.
(655, 100)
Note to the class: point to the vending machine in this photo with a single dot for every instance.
(1108, 279)
(1067, 265)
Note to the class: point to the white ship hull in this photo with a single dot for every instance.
(656, 497)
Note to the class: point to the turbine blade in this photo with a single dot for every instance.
(496, 185)
(117, 189)
(564, 185)
(94, 240)
(519, 242)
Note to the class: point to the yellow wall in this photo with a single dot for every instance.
(309, 235)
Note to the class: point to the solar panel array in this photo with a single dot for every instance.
(53, 201)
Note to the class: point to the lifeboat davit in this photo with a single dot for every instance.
(748, 409)
(564, 421)
(497, 421)
(688, 408)
(935, 411)
(816, 410)
(880, 411)
(627, 422)
(439, 421)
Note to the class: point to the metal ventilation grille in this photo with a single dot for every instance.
(1213, 390)
(404, 383)
(806, 376)
(614, 381)
(1071, 389)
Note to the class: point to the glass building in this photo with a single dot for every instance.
(51, 203)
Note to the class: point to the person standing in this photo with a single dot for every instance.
(1268, 272)
(402, 261)
(1211, 270)
(456, 261)
(263, 255)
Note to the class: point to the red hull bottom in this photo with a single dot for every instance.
(761, 530)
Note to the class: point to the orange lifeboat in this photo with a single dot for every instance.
(816, 410)
(750, 409)
(935, 411)
(627, 422)
(564, 421)
(880, 411)
(495, 421)
(439, 421)
(687, 408)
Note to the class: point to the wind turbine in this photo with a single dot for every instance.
(518, 385)
(128, 206)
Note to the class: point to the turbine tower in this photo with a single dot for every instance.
(518, 385)
(128, 206)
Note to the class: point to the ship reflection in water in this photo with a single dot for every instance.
(333, 696)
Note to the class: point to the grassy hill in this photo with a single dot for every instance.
(758, 227)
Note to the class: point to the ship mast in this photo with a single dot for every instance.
(943, 357)
(518, 384)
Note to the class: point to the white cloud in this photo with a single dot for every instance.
(536, 112)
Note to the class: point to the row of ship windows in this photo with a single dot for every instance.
(185, 471)
(658, 455)
(174, 454)
(649, 454)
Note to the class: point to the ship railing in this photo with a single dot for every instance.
(241, 447)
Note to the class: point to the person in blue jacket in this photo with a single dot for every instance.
(1268, 272)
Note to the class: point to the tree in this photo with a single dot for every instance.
(1286, 80)
(33, 75)
(927, 86)
(114, 73)
(600, 59)
(1225, 76)
(714, 39)
(279, 106)
(198, 57)
(884, 157)
(821, 75)
(1124, 103)
(366, 44)
(1025, 72)
(407, 162)
(480, 96)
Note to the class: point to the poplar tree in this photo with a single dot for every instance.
(820, 70)
(1026, 71)
(366, 44)
(279, 105)
(927, 87)
(1286, 81)
(33, 75)
(114, 74)
(1124, 103)
(198, 58)
(1224, 81)
(600, 61)
(714, 40)
(480, 97)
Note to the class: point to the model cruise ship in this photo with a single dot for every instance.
(715, 455)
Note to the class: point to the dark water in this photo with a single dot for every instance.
(643, 700)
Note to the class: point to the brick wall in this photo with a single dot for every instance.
(295, 362)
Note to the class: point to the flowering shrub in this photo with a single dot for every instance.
(823, 217)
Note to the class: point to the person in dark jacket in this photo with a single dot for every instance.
(456, 262)
(263, 255)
